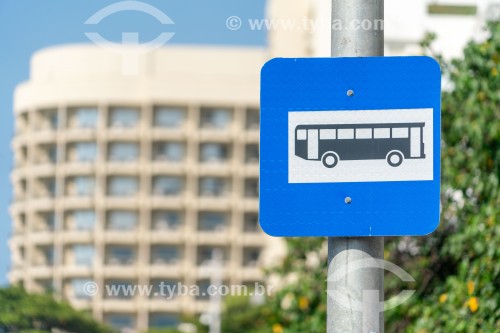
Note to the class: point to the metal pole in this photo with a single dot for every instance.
(357, 31)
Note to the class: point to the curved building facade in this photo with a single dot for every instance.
(136, 180)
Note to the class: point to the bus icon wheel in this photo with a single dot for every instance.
(395, 158)
(330, 159)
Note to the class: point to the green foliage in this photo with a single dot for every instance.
(457, 268)
(40, 313)
(298, 306)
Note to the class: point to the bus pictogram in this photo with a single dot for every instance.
(331, 143)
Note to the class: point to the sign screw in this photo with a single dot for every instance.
(348, 200)
(350, 92)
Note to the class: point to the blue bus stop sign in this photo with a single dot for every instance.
(350, 146)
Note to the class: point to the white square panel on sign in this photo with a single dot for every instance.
(360, 146)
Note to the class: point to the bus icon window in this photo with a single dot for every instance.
(330, 143)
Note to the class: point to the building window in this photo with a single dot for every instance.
(83, 220)
(168, 151)
(167, 185)
(123, 151)
(83, 152)
(251, 222)
(47, 255)
(47, 154)
(214, 152)
(124, 117)
(21, 156)
(166, 220)
(48, 120)
(252, 153)
(120, 255)
(47, 188)
(212, 221)
(252, 119)
(121, 322)
(48, 221)
(204, 293)
(123, 186)
(84, 117)
(213, 187)
(163, 320)
(252, 188)
(165, 255)
(78, 288)
(22, 123)
(122, 220)
(215, 118)
(251, 256)
(83, 255)
(206, 255)
(169, 117)
(82, 186)
(20, 189)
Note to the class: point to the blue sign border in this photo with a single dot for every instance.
(320, 84)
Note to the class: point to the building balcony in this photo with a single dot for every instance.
(251, 273)
(166, 271)
(252, 239)
(166, 167)
(123, 133)
(78, 202)
(251, 170)
(18, 207)
(77, 236)
(174, 201)
(165, 236)
(179, 133)
(40, 272)
(249, 204)
(216, 168)
(208, 133)
(44, 135)
(17, 240)
(216, 237)
(42, 203)
(41, 237)
(20, 140)
(47, 169)
(80, 134)
(79, 167)
(71, 270)
(120, 304)
(166, 304)
(80, 304)
(15, 275)
(130, 167)
(121, 236)
(215, 203)
(123, 202)
(121, 271)
(252, 135)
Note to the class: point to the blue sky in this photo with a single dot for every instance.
(29, 25)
